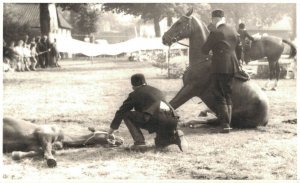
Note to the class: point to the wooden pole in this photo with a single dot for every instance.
(168, 57)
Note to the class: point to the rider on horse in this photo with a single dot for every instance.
(243, 35)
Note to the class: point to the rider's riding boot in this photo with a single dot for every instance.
(224, 117)
(229, 108)
(136, 133)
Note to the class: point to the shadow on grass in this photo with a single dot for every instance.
(99, 66)
(206, 129)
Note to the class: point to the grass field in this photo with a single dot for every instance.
(81, 94)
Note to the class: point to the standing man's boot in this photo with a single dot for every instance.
(224, 118)
(229, 108)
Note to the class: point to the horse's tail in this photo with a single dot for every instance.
(293, 51)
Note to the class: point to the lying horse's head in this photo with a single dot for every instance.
(101, 137)
(180, 29)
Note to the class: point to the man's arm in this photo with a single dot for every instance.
(238, 48)
(127, 105)
(248, 36)
(207, 46)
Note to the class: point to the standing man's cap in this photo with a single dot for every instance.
(217, 13)
(242, 25)
(138, 79)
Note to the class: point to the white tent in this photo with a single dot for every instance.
(75, 46)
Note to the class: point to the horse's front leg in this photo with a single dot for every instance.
(46, 142)
(185, 93)
(271, 75)
(266, 86)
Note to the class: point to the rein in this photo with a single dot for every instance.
(182, 44)
(174, 39)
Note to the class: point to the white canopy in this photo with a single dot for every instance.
(74, 46)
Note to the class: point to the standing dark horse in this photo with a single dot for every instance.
(250, 104)
(270, 47)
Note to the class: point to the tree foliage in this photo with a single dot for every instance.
(147, 11)
(151, 11)
(84, 16)
(12, 29)
(258, 13)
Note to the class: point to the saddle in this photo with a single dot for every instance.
(242, 75)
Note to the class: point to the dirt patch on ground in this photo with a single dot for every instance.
(81, 94)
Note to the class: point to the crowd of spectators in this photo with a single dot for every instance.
(30, 54)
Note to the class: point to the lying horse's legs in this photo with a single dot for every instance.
(33, 150)
(46, 143)
(45, 136)
(17, 155)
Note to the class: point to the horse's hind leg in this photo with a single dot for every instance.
(271, 74)
(277, 72)
(17, 155)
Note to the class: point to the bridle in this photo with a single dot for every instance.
(174, 38)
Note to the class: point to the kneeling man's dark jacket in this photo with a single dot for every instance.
(144, 99)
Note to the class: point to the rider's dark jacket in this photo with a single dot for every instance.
(223, 42)
(244, 34)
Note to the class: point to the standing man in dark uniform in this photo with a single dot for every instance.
(152, 113)
(46, 49)
(42, 49)
(38, 51)
(223, 42)
(243, 35)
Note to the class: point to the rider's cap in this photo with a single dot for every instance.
(241, 25)
(217, 13)
(138, 79)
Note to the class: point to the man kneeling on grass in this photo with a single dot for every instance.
(152, 113)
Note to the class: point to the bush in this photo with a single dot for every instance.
(176, 71)
(177, 65)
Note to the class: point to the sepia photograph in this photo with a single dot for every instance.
(149, 91)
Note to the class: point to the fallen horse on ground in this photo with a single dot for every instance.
(26, 139)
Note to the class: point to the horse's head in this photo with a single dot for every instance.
(181, 29)
(102, 138)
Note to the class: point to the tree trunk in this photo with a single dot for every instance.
(44, 19)
(169, 20)
(45, 30)
(294, 22)
(156, 27)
